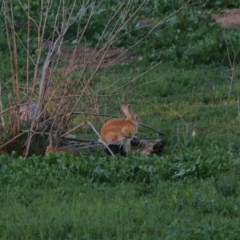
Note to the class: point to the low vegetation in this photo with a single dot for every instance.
(182, 80)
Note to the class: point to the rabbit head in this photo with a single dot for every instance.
(127, 110)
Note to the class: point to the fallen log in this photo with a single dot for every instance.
(144, 146)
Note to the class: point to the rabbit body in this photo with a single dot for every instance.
(63, 149)
(119, 129)
(53, 146)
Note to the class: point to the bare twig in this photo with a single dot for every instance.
(159, 132)
(74, 129)
(65, 93)
(1, 107)
(99, 138)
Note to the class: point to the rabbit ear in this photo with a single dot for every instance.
(126, 110)
(53, 139)
(50, 138)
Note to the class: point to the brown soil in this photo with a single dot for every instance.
(228, 18)
(93, 58)
(90, 57)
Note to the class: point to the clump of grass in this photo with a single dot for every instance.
(227, 185)
(126, 211)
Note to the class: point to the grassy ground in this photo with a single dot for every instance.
(178, 101)
(168, 210)
(201, 100)
(191, 191)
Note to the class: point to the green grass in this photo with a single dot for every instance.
(176, 100)
(191, 191)
(191, 194)
(169, 210)
(173, 196)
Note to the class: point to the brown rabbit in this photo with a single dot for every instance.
(118, 129)
(53, 146)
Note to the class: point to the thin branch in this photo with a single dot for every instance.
(159, 132)
(99, 138)
(1, 106)
(73, 129)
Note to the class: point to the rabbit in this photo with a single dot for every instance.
(53, 146)
(117, 130)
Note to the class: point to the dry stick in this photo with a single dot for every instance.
(151, 30)
(90, 79)
(9, 22)
(159, 132)
(79, 140)
(28, 47)
(69, 22)
(232, 63)
(116, 29)
(39, 103)
(136, 78)
(56, 45)
(41, 26)
(41, 32)
(15, 56)
(73, 129)
(10, 104)
(61, 85)
(123, 22)
(14, 53)
(1, 106)
(100, 139)
(102, 58)
(83, 90)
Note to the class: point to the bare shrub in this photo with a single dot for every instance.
(58, 82)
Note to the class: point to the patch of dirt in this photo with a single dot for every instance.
(228, 18)
(90, 57)
(94, 58)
